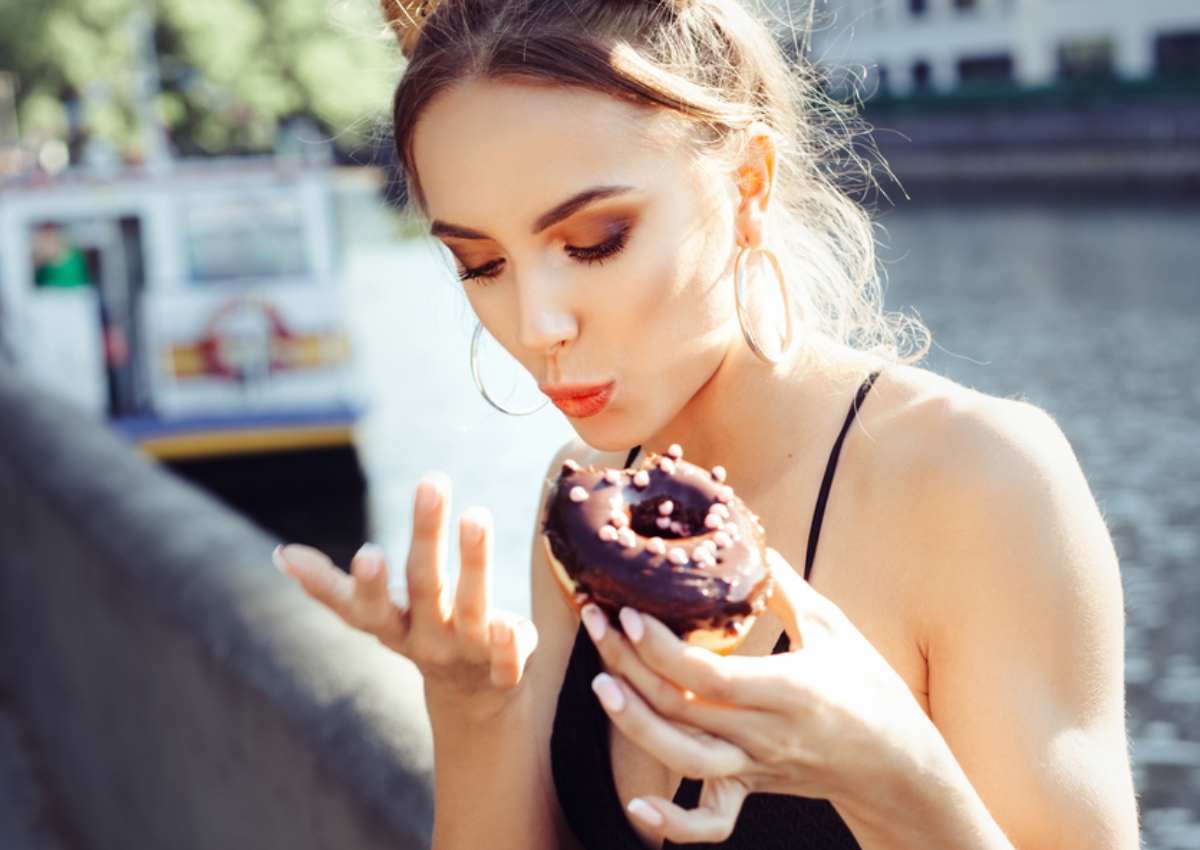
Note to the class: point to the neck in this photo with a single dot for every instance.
(757, 419)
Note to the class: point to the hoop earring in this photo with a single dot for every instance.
(739, 276)
(475, 338)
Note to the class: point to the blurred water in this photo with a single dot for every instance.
(1092, 312)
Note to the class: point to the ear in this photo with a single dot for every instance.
(756, 183)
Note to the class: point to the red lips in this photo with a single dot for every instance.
(579, 401)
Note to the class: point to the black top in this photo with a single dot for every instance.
(582, 765)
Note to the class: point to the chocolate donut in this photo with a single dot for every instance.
(669, 539)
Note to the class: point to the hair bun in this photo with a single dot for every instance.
(406, 18)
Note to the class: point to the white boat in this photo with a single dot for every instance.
(197, 306)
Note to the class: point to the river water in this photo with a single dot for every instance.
(1090, 311)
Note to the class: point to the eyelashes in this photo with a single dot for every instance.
(599, 253)
(487, 271)
(588, 255)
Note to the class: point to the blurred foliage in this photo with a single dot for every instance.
(231, 70)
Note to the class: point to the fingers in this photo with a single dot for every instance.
(710, 822)
(361, 599)
(427, 554)
(512, 641)
(473, 594)
(373, 608)
(734, 681)
(318, 576)
(370, 603)
(694, 754)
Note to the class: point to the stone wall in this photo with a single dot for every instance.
(181, 692)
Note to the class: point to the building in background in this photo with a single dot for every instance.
(912, 47)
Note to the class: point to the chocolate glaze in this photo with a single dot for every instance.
(702, 593)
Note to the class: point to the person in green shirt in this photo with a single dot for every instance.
(56, 262)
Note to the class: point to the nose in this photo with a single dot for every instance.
(545, 316)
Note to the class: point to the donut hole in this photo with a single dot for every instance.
(685, 520)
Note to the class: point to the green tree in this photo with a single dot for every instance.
(231, 70)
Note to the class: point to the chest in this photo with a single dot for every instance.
(860, 565)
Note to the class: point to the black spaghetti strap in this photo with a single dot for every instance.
(814, 530)
(633, 453)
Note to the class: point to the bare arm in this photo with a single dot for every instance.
(490, 697)
(1017, 610)
(1025, 637)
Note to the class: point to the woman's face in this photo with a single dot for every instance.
(593, 245)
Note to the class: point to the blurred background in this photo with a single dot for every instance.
(199, 246)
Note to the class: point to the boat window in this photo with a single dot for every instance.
(261, 237)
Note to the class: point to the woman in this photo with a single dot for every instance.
(951, 671)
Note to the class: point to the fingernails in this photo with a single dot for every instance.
(595, 621)
(608, 692)
(277, 559)
(631, 622)
(645, 812)
(429, 492)
(371, 550)
(367, 562)
(471, 526)
(500, 633)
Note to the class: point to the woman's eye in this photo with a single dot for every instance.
(487, 271)
(604, 250)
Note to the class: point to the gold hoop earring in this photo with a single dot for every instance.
(743, 312)
(475, 338)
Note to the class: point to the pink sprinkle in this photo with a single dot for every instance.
(578, 494)
(675, 451)
(627, 538)
(678, 528)
(581, 599)
(677, 556)
(719, 474)
(710, 545)
(663, 522)
(570, 466)
(612, 476)
(608, 534)
(667, 465)
(703, 555)
(656, 546)
(714, 522)
(722, 539)
(725, 494)
(719, 509)
(641, 479)
(666, 507)
(619, 519)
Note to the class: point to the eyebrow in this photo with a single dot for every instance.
(564, 210)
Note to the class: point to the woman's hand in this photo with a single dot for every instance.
(827, 719)
(462, 646)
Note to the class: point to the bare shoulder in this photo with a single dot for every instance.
(1008, 569)
(963, 431)
(968, 460)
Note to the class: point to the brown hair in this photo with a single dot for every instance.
(719, 69)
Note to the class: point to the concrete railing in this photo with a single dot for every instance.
(181, 692)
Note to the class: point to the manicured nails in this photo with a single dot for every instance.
(368, 562)
(500, 633)
(645, 812)
(277, 559)
(631, 622)
(472, 524)
(429, 491)
(608, 692)
(595, 621)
